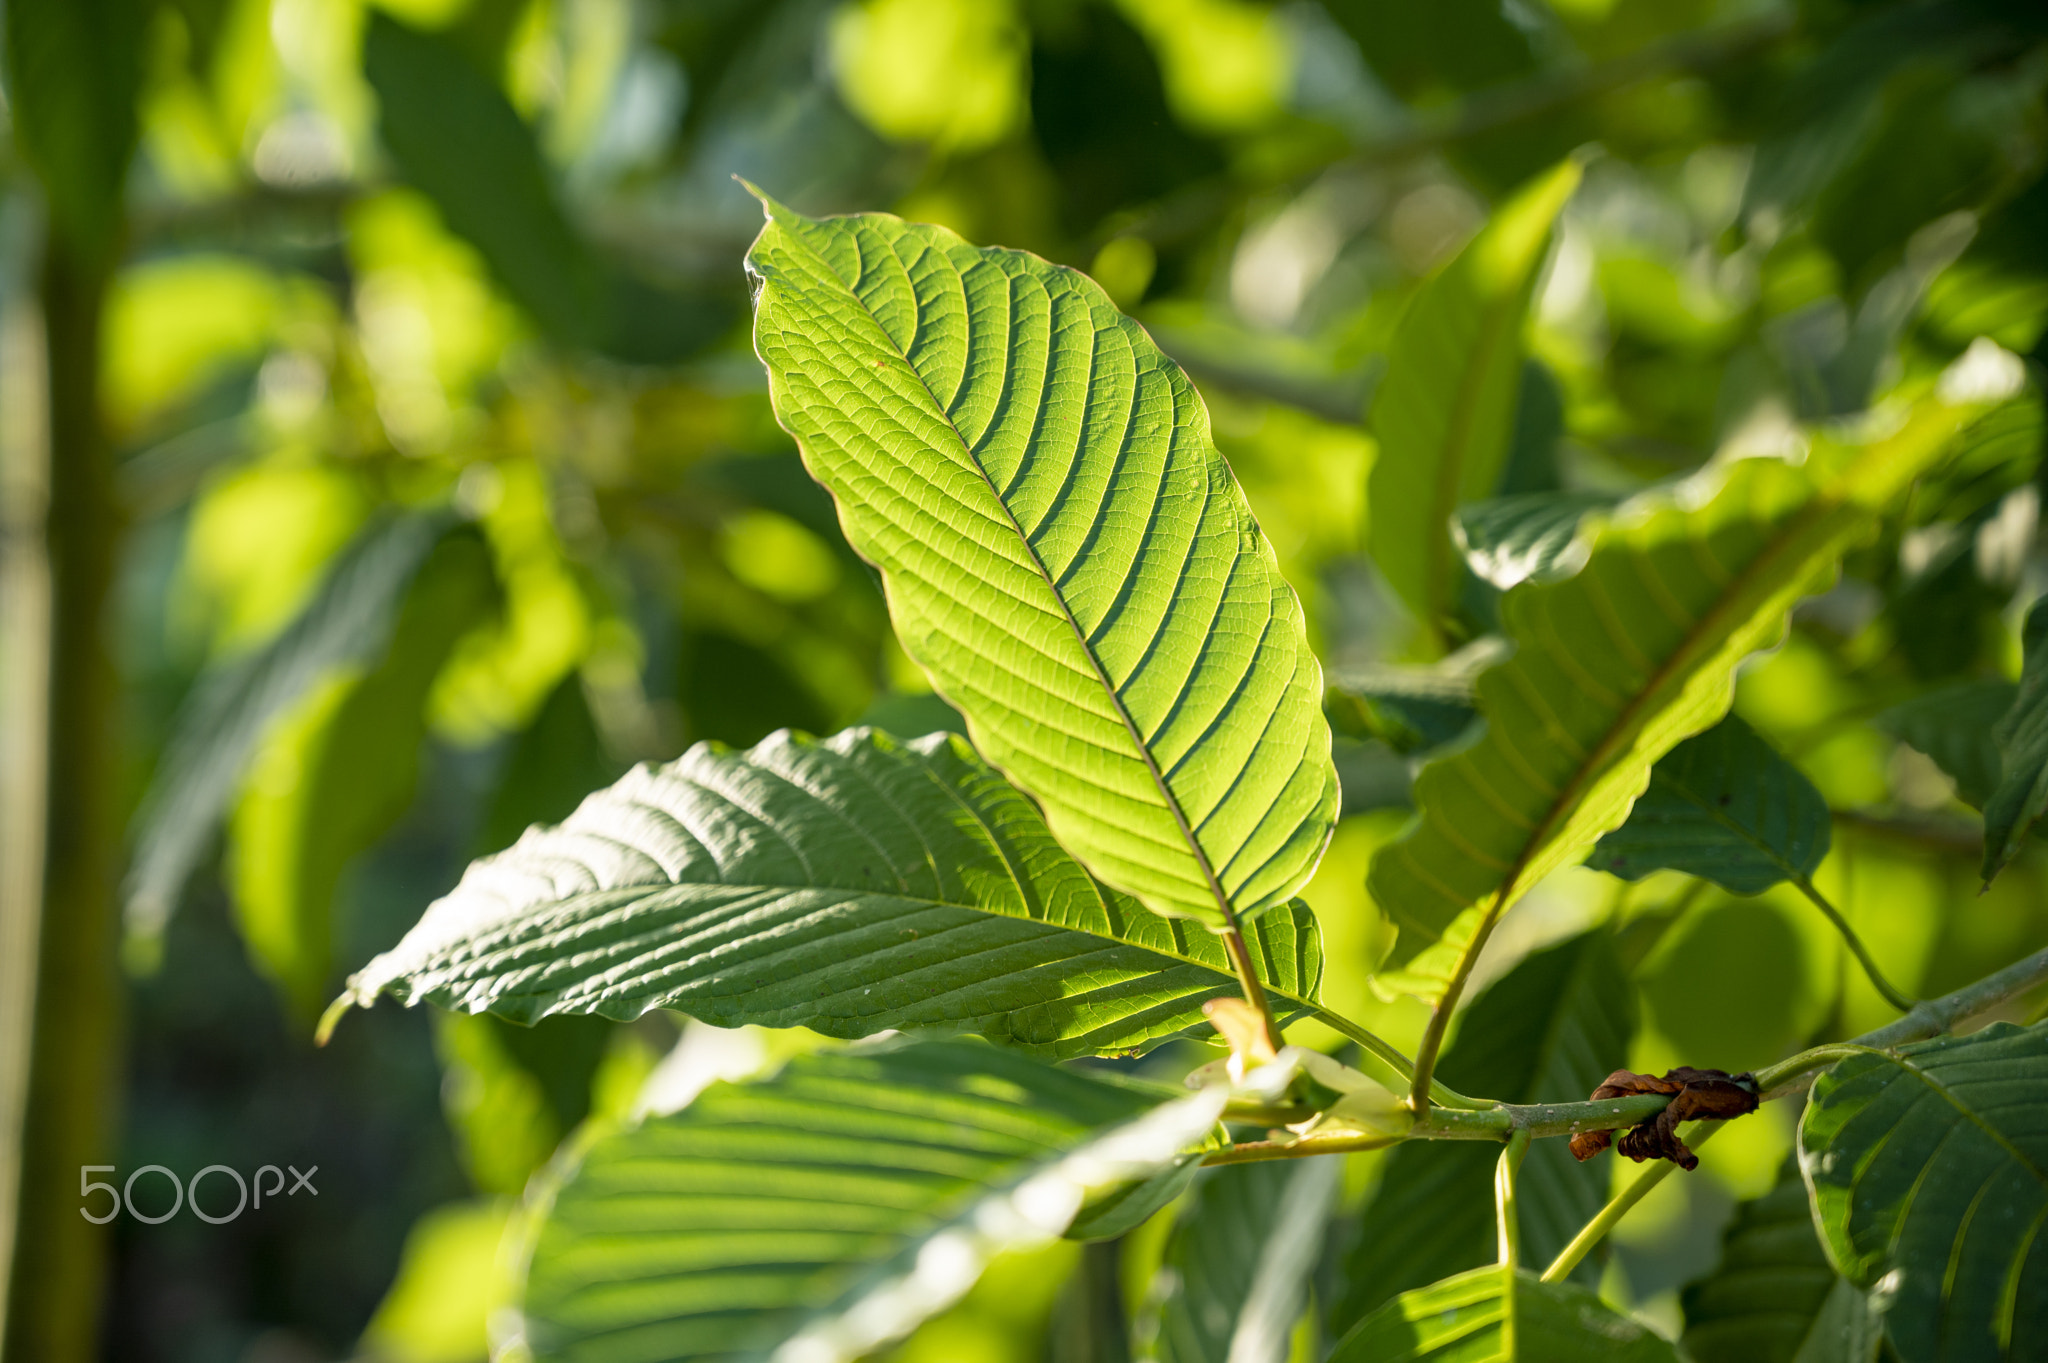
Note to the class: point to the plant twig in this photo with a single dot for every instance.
(1396, 1066)
(1504, 1199)
(1620, 1205)
(1901, 1001)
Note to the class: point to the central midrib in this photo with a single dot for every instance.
(1109, 689)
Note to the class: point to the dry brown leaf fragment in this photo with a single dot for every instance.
(1696, 1095)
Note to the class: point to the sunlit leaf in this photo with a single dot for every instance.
(1509, 540)
(1617, 664)
(1477, 1317)
(1445, 411)
(456, 136)
(1547, 1032)
(1063, 549)
(347, 623)
(1723, 806)
(2022, 738)
(848, 885)
(1928, 1169)
(829, 1210)
(1774, 1297)
(1954, 726)
(1237, 1267)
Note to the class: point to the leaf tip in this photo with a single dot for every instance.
(332, 1017)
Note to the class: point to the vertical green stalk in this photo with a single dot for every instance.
(1504, 1198)
(55, 1278)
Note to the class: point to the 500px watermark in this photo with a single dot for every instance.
(123, 1198)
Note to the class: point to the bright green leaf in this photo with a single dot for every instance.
(1476, 1318)
(830, 1209)
(1549, 1031)
(1063, 549)
(1618, 663)
(1239, 1262)
(2022, 737)
(1723, 806)
(347, 624)
(1775, 1298)
(1953, 725)
(1928, 1170)
(849, 885)
(1445, 413)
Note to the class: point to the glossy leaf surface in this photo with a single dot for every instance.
(1509, 540)
(849, 885)
(1489, 1316)
(1063, 550)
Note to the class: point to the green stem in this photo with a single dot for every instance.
(1898, 1000)
(1619, 1206)
(1396, 1071)
(1504, 1199)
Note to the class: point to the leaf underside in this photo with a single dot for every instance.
(1724, 806)
(848, 885)
(1476, 1318)
(1953, 726)
(1928, 1171)
(1618, 663)
(1063, 550)
(774, 1209)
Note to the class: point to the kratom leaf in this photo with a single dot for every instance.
(1775, 1298)
(1477, 1317)
(1063, 550)
(2022, 737)
(1445, 411)
(849, 885)
(455, 135)
(1410, 709)
(1723, 806)
(334, 774)
(1510, 540)
(1547, 1032)
(1928, 1171)
(1618, 663)
(1236, 1270)
(1953, 726)
(347, 623)
(822, 1213)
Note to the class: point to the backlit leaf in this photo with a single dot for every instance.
(1063, 550)
(1496, 1315)
(849, 885)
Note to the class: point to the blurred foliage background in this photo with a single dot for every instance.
(441, 485)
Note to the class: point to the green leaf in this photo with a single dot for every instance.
(1723, 806)
(849, 885)
(1549, 1031)
(1445, 412)
(1953, 725)
(1511, 540)
(1775, 1298)
(1928, 1170)
(74, 73)
(1618, 663)
(455, 135)
(2022, 737)
(347, 624)
(1064, 551)
(830, 1209)
(1236, 1270)
(1477, 1317)
(1410, 709)
(332, 776)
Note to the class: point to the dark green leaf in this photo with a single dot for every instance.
(1236, 1270)
(1928, 1170)
(1954, 726)
(552, 766)
(1547, 1032)
(1410, 709)
(2022, 738)
(1507, 540)
(1775, 1298)
(1723, 806)
(74, 72)
(842, 1201)
(456, 136)
(849, 885)
(1475, 1318)
(347, 623)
